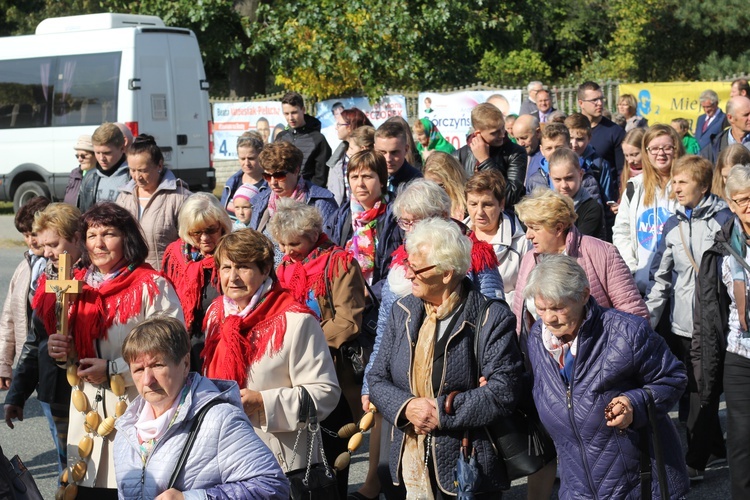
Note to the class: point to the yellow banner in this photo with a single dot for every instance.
(664, 102)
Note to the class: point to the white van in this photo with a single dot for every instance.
(80, 71)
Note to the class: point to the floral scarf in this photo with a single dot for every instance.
(416, 476)
(365, 238)
(299, 194)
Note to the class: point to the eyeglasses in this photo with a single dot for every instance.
(417, 272)
(594, 100)
(339, 125)
(82, 157)
(667, 150)
(209, 231)
(742, 202)
(279, 176)
(406, 224)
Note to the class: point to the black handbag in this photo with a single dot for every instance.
(316, 481)
(520, 438)
(357, 352)
(16, 482)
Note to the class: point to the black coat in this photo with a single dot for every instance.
(510, 159)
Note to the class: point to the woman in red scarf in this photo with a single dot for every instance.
(259, 336)
(119, 291)
(189, 263)
(328, 280)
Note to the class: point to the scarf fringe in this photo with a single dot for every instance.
(483, 256)
(187, 278)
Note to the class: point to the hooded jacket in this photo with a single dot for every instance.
(672, 272)
(103, 185)
(314, 147)
(228, 459)
(618, 354)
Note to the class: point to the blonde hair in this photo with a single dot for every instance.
(62, 218)
(201, 209)
(651, 178)
(452, 177)
(546, 208)
(699, 169)
(486, 116)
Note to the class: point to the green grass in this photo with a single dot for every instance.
(6, 208)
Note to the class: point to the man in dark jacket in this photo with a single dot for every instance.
(390, 141)
(111, 173)
(488, 147)
(304, 132)
(738, 115)
(606, 136)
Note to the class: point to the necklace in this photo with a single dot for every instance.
(94, 426)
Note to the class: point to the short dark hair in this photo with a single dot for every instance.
(555, 130)
(391, 130)
(293, 99)
(587, 86)
(281, 155)
(487, 180)
(24, 219)
(370, 160)
(742, 85)
(246, 247)
(578, 121)
(109, 214)
(145, 143)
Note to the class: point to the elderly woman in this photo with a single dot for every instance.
(281, 162)
(259, 336)
(119, 291)
(593, 371)
(365, 225)
(647, 203)
(249, 146)
(86, 161)
(429, 139)
(328, 280)
(189, 262)
(57, 230)
(227, 460)
(627, 106)
(549, 218)
(445, 170)
(153, 196)
(421, 381)
(489, 222)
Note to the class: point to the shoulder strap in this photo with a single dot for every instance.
(478, 347)
(651, 431)
(685, 245)
(736, 255)
(197, 420)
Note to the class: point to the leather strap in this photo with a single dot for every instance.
(685, 245)
(197, 420)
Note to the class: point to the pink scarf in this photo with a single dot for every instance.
(299, 194)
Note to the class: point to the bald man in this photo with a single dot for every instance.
(527, 132)
(738, 116)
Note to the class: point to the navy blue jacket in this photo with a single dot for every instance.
(618, 354)
(402, 176)
(475, 407)
(713, 129)
(389, 238)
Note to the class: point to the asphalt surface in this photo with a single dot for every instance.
(31, 438)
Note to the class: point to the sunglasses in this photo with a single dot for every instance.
(279, 176)
(82, 157)
(209, 231)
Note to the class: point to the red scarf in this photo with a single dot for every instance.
(482, 255)
(298, 278)
(234, 344)
(94, 311)
(188, 278)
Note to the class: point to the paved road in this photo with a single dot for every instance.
(31, 439)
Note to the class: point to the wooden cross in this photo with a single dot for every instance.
(63, 288)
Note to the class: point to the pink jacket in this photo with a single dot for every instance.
(611, 283)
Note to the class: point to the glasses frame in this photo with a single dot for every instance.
(595, 100)
(406, 225)
(209, 231)
(742, 202)
(339, 125)
(417, 272)
(654, 151)
(279, 176)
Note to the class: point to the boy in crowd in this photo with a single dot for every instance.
(488, 147)
(566, 176)
(304, 132)
(14, 322)
(390, 141)
(104, 183)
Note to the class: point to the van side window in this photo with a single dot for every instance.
(60, 91)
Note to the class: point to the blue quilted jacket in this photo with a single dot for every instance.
(474, 407)
(618, 354)
(228, 459)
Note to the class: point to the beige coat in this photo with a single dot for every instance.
(101, 467)
(159, 217)
(14, 319)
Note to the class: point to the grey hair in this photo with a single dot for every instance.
(293, 219)
(557, 278)
(737, 180)
(201, 209)
(422, 199)
(533, 84)
(441, 242)
(710, 96)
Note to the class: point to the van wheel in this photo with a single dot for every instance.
(27, 191)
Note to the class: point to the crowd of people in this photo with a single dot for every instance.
(593, 269)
